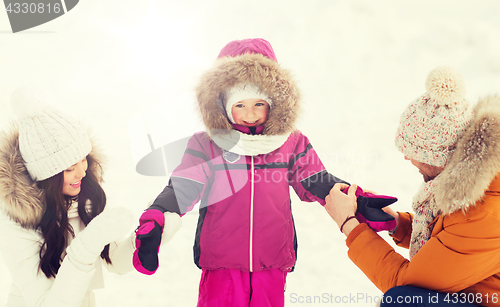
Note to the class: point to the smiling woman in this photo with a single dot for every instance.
(54, 230)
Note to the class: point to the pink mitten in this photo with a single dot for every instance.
(147, 241)
(370, 211)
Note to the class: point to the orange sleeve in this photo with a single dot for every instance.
(375, 257)
(402, 235)
(464, 253)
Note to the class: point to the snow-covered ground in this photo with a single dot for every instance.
(358, 63)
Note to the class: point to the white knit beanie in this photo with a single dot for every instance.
(49, 141)
(242, 92)
(431, 126)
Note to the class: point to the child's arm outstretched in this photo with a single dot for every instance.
(312, 182)
(161, 220)
(308, 177)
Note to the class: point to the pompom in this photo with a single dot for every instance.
(27, 101)
(445, 85)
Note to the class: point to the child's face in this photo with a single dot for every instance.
(250, 112)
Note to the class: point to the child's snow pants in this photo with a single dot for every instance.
(235, 288)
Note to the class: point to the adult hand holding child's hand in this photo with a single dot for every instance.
(342, 207)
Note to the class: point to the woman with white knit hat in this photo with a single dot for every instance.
(54, 230)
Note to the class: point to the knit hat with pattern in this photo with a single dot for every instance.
(430, 126)
(49, 141)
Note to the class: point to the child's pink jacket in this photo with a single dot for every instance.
(245, 218)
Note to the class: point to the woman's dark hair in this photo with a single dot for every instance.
(55, 226)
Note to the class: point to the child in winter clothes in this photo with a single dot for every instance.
(240, 170)
(54, 231)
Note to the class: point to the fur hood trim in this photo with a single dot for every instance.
(20, 198)
(257, 70)
(475, 163)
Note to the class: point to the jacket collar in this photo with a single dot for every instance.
(249, 144)
(475, 163)
(247, 130)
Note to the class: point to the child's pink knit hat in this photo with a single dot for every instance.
(431, 126)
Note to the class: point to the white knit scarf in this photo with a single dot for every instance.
(424, 206)
(248, 144)
(73, 209)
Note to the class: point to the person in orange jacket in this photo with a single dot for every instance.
(459, 261)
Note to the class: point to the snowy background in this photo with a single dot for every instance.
(358, 64)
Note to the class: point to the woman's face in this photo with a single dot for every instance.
(73, 177)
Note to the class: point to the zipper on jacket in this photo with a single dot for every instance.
(251, 214)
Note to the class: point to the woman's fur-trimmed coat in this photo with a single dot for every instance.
(21, 209)
(463, 253)
(20, 198)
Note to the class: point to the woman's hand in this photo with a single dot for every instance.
(341, 206)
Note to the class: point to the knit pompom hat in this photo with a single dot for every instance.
(246, 91)
(49, 141)
(430, 126)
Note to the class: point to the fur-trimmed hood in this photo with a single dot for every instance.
(475, 163)
(257, 70)
(20, 198)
